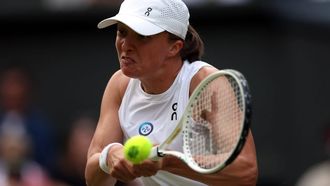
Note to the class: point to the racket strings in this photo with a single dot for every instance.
(216, 122)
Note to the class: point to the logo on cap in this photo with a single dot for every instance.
(147, 13)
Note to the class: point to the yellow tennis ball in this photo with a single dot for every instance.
(137, 149)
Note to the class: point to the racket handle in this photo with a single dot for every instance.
(154, 154)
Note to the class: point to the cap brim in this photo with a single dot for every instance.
(141, 26)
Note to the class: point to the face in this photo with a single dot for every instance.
(141, 56)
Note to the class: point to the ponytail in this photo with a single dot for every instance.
(193, 48)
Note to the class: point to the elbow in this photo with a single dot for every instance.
(246, 173)
(243, 173)
(88, 178)
(249, 164)
(251, 177)
(251, 173)
(90, 175)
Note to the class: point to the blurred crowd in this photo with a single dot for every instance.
(30, 153)
(63, 5)
(319, 173)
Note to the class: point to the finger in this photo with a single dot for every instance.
(136, 172)
(147, 168)
(122, 176)
(122, 171)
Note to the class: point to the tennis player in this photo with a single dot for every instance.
(159, 55)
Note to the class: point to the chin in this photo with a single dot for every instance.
(129, 73)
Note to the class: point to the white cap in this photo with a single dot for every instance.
(149, 17)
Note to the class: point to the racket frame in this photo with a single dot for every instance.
(159, 151)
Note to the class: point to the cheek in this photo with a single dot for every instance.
(117, 44)
(118, 49)
(159, 48)
(160, 52)
(154, 59)
(152, 54)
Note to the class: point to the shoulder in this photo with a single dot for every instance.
(118, 84)
(200, 75)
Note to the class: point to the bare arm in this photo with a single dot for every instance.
(242, 171)
(108, 130)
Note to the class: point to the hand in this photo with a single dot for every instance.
(147, 168)
(125, 171)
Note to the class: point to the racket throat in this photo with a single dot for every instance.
(155, 154)
(159, 153)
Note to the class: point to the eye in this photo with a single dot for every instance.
(121, 32)
(142, 37)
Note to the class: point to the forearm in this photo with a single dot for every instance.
(94, 175)
(241, 172)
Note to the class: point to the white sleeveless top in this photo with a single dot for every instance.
(156, 116)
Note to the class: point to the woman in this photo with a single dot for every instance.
(159, 55)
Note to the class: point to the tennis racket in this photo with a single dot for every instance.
(214, 124)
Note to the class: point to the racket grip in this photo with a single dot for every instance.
(154, 154)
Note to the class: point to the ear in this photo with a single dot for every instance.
(175, 47)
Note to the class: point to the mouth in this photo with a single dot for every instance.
(126, 60)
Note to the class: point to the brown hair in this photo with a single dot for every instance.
(193, 48)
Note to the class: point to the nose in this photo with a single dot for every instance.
(127, 43)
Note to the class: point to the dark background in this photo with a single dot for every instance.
(281, 48)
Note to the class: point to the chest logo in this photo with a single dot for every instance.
(174, 115)
(145, 128)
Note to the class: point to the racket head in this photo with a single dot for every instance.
(217, 121)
